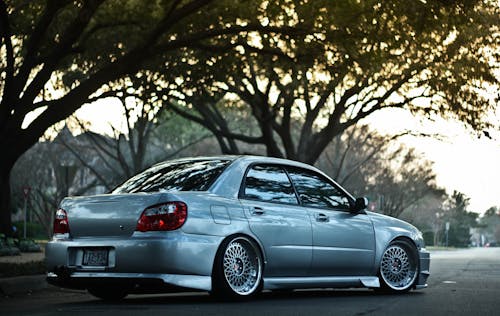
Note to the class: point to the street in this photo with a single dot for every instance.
(462, 282)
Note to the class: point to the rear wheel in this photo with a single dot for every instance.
(399, 266)
(108, 293)
(238, 269)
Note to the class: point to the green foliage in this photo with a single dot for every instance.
(489, 224)
(176, 132)
(33, 230)
(428, 238)
(461, 220)
(305, 70)
(346, 60)
(8, 246)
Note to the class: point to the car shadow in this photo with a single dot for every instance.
(267, 297)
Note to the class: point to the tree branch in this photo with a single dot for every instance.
(52, 8)
(213, 129)
(71, 35)
(196, 37)
(87, 165)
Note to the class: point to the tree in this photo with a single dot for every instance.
(326, 64)
(489, 224)
(91, 163)
(147, 139)
(427, 215)
(366, 163)
(402, 181)
(60, 54)
(461, 220)
(126, 153)
(431, 57)
(51, 172)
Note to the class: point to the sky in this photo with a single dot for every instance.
(462, 161)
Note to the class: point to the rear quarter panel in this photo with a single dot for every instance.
(210, 214)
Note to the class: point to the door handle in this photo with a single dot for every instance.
(257, 211)
(322, 218)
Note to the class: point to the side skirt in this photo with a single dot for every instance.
(320, 282)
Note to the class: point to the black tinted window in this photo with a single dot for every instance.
(191, 175)
(315, 190)
(270, 184)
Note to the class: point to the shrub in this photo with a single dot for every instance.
(33, 230)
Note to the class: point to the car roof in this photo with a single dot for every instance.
(264, 159)
(229, 181)
(243, 159)
(246, 159)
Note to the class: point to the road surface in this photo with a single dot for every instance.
(463, 282)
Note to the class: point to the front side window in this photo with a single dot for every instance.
(186, 175)
(270, 184)
(316, 191)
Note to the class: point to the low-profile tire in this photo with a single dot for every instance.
(108, 293)
(237, 270)
(399, 267)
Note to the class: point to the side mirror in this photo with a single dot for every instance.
(360, 204)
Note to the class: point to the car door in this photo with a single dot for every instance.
(275, 217)
(343, 241)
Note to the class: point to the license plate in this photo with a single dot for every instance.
(95, 257)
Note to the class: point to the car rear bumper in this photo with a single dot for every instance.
(133, 282)
(144, 260)
(424, 271)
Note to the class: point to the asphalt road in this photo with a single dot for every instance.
(463, 282)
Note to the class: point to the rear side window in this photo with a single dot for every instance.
(316, 191)
(268, 183)
(191, 175)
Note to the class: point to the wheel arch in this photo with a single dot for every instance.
(404, 238)
(221, 286)
(415, 252)
(249, 237)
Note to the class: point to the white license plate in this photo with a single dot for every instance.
(95, 257)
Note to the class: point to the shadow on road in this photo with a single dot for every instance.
(266, 297)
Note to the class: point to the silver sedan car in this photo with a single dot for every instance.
(231, 225)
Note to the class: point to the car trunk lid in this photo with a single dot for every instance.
(106, 215)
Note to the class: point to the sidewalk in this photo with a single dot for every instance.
(25, 283)
(22, 284)
(24, 257)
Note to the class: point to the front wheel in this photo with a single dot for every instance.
(399, 266)
(238, 269)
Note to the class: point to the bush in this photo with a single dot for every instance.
(428, 238)
(33, 230)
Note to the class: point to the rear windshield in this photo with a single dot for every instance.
(186, 175)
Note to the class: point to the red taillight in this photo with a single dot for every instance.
(166, 216)
(61, 225)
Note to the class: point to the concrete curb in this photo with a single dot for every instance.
(22, 284)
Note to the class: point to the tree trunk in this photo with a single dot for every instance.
(14, 144)
(5, 207)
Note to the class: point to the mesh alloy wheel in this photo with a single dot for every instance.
(399, 266)
(242, 266)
